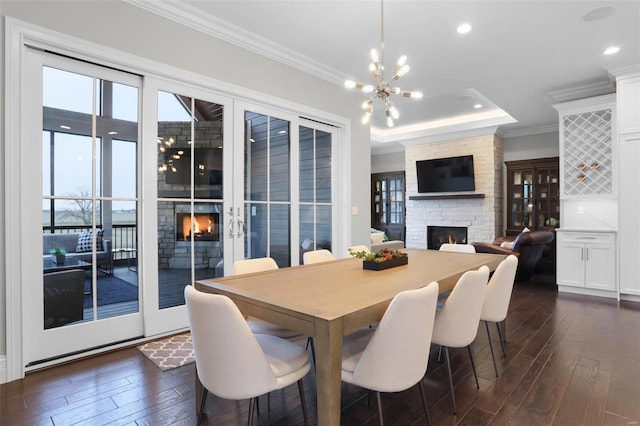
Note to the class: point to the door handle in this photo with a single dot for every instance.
(231, 228)
(242, 228)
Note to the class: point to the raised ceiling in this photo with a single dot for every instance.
(519, 58)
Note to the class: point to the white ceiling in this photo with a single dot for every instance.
(520, 57)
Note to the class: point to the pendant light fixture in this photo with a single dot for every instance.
(383, 88)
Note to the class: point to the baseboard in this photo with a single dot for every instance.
(588, 291)
(630, 297)
(3, 369)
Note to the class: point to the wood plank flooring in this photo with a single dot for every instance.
(571, 360)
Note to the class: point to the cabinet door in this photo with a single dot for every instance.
(521, 196)
(600, 269)
(570, 268)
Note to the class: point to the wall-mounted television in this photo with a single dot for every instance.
(452, 174)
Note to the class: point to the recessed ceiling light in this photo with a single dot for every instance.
(464, 28)
(611, 50)
(62, 126)
(598, 14)
(477, 106)
(113, 133)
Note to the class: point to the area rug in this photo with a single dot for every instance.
(169, 353)
(110, 290)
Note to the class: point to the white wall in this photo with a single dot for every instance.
(3, 335)
(392, 162)
(542, 145)
(118, 25)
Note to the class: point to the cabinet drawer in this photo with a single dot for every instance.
(586, 238)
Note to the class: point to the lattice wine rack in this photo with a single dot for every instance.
(588, 156)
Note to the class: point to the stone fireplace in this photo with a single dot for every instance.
(480, 212)
(438, 235)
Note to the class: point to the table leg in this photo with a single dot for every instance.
(328, 346)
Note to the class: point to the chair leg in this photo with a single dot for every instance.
(379, 409)
(453, 396)
(302, 402)
(502, 340)
(424, 402)
(493, 356)
(252, 406)
(313, 350)
(203, 400)
(440, 354)
(473, 366)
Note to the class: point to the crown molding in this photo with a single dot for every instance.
(536, 130)
(184, 14)
(434, 129)
(585, 104)
(626, 72)
(589, 90)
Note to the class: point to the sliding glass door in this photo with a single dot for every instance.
(88, 121)
(288, 192)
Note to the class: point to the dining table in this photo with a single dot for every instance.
(329, 300)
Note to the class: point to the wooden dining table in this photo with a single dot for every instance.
(332, 299)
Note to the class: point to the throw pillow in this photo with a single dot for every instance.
(377, 237)
(85, 239)
(84, 242)
(507, 245)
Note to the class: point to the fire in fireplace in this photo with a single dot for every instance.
(205, 226)
(437, 235)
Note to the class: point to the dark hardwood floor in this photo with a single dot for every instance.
(571, 360)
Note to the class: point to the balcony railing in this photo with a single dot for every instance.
(122, 237)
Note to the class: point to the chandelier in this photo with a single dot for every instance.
(383, 88)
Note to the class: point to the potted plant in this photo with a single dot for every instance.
(58, 255)
(383, 259)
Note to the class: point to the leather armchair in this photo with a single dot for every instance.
(528, 246)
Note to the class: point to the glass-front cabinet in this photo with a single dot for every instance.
(532, 194)
(388, 204)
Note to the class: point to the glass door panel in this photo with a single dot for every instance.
(190, 192)
(315, 190)
(88, 184)
(267, 192)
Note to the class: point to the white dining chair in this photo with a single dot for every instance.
(456, 324)
(497, 296)
(394, 356)
(260, 264)
(258, 326)
(234, 363)
(317, 256)
(457, 248)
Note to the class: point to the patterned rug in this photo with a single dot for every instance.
(169, 353)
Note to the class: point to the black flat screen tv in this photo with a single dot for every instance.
(452, 174)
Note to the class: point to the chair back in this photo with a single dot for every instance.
(498, 291)
(456, 324)
(317, 256)
(396, 356)
(260, 264)
(458, 248)
(230, 362)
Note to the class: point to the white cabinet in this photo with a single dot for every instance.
(586, 262)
